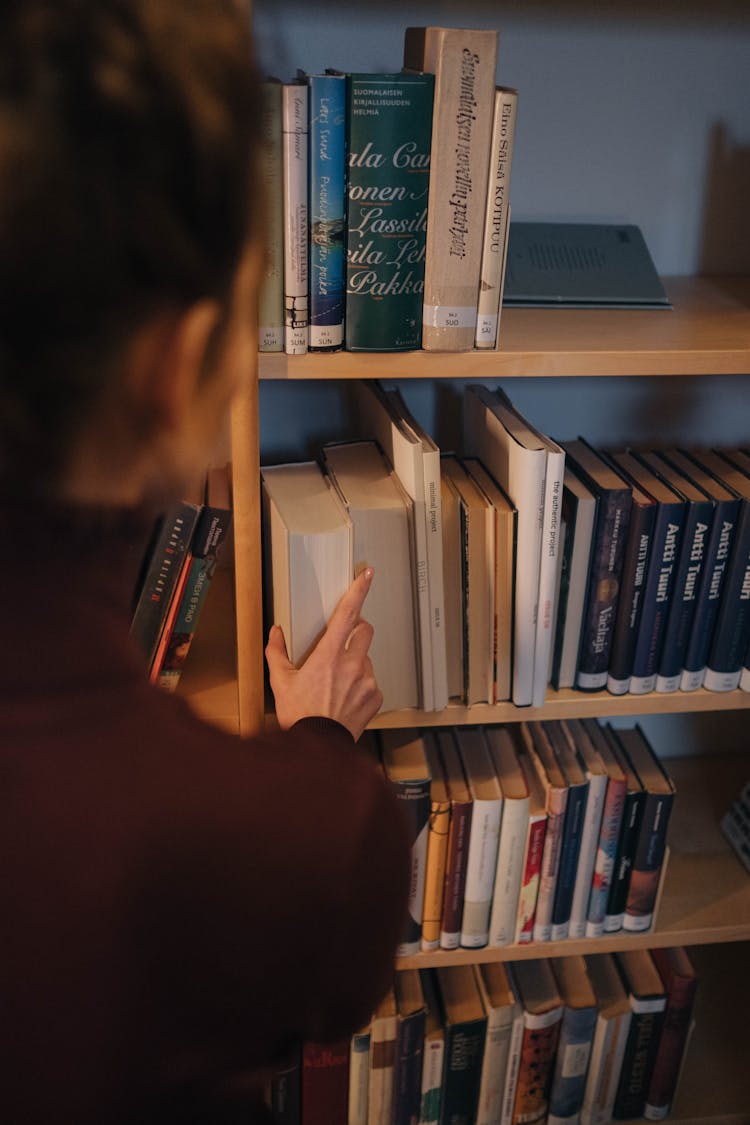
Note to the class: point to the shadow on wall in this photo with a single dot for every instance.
(725, 246)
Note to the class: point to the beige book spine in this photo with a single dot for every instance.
(496, 220)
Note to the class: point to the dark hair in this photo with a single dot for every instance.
(127, 134)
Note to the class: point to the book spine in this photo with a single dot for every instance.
(414, 798)
(647, 861)
(169, 622)
(389, 123)
(496, 218)
(295, 117)
(463, 1069)
(607, 1053)
(590, 833)
(359, 1075)
(656, 596)
(606, 856)
(432, 1081)
(618, 892)
(556, 804)
(286, 1092)
(569, 516)
(682, 607)
(271, 293)
(513, 1067)
(575, 813)
(434, 535)
(709, 594)
(532, 868)
(548, 574)
(571, 1065)
(671, 1048)
(538, 1051)
(731, 637)
(603, 587)
(455, 874)
(382, 1071)
(435, 865)
(325, 1083)
(407, 1083)
(494, 1067)
(480, 872)
(638, 1058)
(464, 64)
(630, 603)
(514, 827)
(327, 162)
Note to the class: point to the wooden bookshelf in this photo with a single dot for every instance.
(707, 332)
(209, 679)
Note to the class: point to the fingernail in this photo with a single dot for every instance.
(369, 573)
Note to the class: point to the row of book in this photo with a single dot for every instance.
(388, 201)
(176, 574)
(524, 561)
(536, 831)
(557, 1040)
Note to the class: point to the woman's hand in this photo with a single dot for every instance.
(337, 680)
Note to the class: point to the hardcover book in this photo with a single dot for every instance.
(463, 62)
(286, 1091)
(538, 750)
(496, 221)
(410, 1003)
(434, 1052)
(576, 1037)
(325, 1083)
(458, 841)
(504, 1028)
(581, 265)
(483, 840)
(532, 853)
(595, 772)
(383, 1031)
(610, 1037)
(647, 1004)
(295, 124)
(359, 1077)
(271, 292)
(632, 812)
(680, 984)
(437, 844)
(575, 813)
(542, 1015)
(389, 128)
(452, 588)
(609, 832)
(514, 827)
(579, 508)
(465, 1026)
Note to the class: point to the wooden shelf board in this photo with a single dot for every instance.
(707, 332)
(706, 895)
(209, 679)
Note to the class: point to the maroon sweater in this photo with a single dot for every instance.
(177, 906)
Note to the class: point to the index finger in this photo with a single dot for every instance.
(346, 614)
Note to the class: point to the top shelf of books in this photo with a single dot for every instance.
(707, 332)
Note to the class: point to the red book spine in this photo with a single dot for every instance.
(325, 1083)
(673, 1039)
(532, 872)
(455, 873)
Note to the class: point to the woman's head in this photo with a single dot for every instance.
(127, 134)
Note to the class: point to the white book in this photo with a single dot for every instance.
(483, 838)
(577, 559)
(514, 1058)
(379, 511)
(453, 586)
(503, 1011)
(382, 1062)
(403, 450)
(514, 827)
(359, 1077)
(494, 247)
(596, 773)
(496, 436)
(294, 138)
(745, 679)
(610, 1038)
(308, 552)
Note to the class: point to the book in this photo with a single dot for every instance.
(434, 1052)
(541, 756)
(595, 772)
(410, 1003)
(647, 1004)
(307, 543)
(529, 467)
(610, 534)
(666, 543)
(627, 842)
(711, 584)
(481, 860)
(579, 508)
(609, 832)
(610, 1037)
(437, 845)
(575, 1042)
(575, 812)
(504, 1026)
(271, 290)
(735, 824)
(514, 827)
(532, 853)
(378, 509)
(463, 62)
(380, 1087)
(505, 575)
(651, 843)
(635, 563)
(389, 130)
(199, 565)
(477, 523)
(680, 984)
(542, 1015)
(452, 587)
(465, 1025)
(286, 1090)
(162, 569)
(327, 209)
(406, 766)
(325, 1083)
(359, 1077)
(458, 841)
(496, 220)
(294, 102)
(581, 265)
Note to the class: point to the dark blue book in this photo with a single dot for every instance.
(405, 764)
(407, 1080)
(711, 581)
(630, 826)
(575, 812)
(699, 517)
(648, 1002)
(465, 1026)
(580, 1013)
(327, 209)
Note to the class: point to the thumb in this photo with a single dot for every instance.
(276, 654)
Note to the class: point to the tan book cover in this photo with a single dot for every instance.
(437, 845)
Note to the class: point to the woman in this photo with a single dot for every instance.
(178, 908)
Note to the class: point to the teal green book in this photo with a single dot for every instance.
(389, 133)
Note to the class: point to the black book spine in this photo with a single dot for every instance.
(416, 803)
(731, 637)
(407, 1090)
(286, 1092)
(656, 594)
(626, 845)
(709, 592)
(638, 1062)
(569, 516)
(630, 603)
(603, 588)
(575, 811)
(695, 540)
(464, 1049)
(647, 861)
